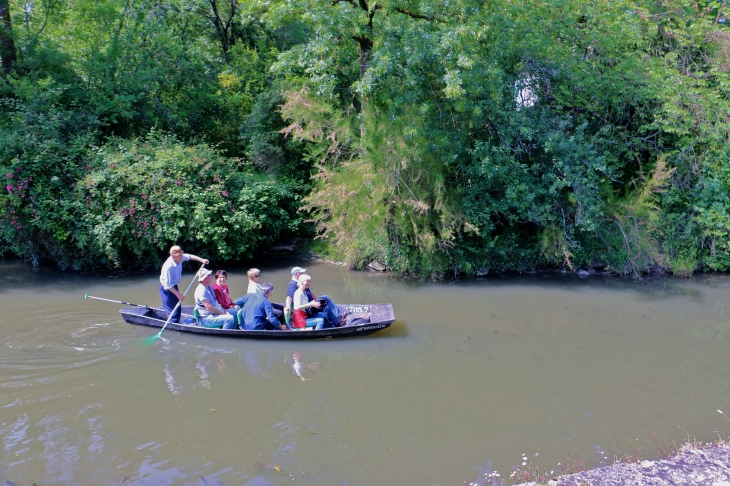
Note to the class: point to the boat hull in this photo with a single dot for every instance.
(381, 317)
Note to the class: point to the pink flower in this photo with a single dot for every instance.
(10, 175)
(179, 183)
(9, 188)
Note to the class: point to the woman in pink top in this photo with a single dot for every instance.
(220, 288)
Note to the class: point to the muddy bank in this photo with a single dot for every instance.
(709, 467)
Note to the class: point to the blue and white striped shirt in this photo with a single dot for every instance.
(172, 272)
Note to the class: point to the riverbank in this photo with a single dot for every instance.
(709, 466)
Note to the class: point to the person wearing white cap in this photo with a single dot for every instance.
(333, 315)
(304, 301)
(293, 286)
(210, 311)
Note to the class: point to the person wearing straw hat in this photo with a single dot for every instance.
(169, 278)
(210, 312)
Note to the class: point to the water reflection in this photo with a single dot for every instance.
(513, 364)
(257, 363)
(300, 366)
(182, 373)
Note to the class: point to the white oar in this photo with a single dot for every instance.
(87, 296)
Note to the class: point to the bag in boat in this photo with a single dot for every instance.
(357, 319)
(299, 319)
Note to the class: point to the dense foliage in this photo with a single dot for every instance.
(127, 127)
(438, 136)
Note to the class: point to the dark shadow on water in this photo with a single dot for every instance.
(15, 274)
(650, 288)
(360, 284)
(396, 330)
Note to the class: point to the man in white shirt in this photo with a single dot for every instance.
(170, 277)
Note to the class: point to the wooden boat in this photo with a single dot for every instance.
(381, 317)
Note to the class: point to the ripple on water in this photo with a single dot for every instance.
(59, 341)
(15, 432)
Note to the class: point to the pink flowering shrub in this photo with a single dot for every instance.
(122, 205)
(42, 149)
(142, 196)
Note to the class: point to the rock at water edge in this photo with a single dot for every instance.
(377, 266)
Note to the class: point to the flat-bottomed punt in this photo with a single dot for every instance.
(381, 316)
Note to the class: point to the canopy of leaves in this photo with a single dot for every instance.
(439, 136)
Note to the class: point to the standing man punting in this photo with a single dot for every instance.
(170, 277)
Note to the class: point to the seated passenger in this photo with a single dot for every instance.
(220, 288)
(293, 286)
(210, 311)
(254, 275)
(256, 313)
(332, 314)
(304, 301)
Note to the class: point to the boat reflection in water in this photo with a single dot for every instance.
(254, 364)
(179, 365)
(300, 367)
(183, 370)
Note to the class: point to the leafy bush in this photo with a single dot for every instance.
(141, 196)
(122, 205)
(43, 150)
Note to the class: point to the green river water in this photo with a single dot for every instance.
(472, 375)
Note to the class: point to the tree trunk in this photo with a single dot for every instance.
(366, 48)
(7, 44)
(225, 29)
